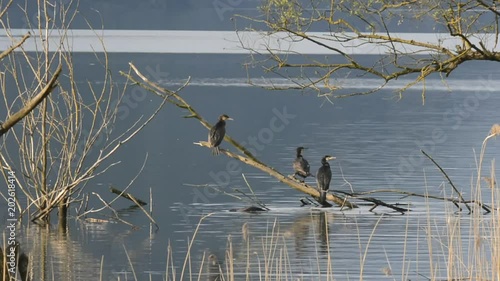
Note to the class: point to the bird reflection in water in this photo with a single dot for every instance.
(323, 230)
(302, 231)
(213, 268)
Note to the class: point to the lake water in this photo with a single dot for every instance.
(376, 139)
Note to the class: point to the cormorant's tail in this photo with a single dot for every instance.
(322, 197)
(215, 150)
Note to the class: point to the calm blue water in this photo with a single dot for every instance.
(376, 139)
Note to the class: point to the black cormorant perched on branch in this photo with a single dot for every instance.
(323, 178)
(217, 132)
(300, 165)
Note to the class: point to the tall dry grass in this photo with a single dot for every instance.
(460, 246)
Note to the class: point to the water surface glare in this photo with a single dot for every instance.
(226, 42)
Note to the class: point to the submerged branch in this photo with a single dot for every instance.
(127, 196)
(117, 216)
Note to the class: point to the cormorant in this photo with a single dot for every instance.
(217, 132)
(300, 165)
(323, 178)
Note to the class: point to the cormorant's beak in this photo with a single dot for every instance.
(330, 158)
(229, 118)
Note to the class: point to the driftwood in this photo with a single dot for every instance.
(376, 202)
(246, 157)
(128, 196)
(250, 209)
(455, 201)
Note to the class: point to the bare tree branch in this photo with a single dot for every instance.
(356, 24)
(13, 119)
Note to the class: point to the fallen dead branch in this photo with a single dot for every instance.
(127, 196)
(376, 202)
(117, 217)
(138, 202)
(245, 156)
(455, 201)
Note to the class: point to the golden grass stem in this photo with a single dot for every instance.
(130, 262)
(190, 245)
(203, 258)
(365, 254)
(101, 268)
